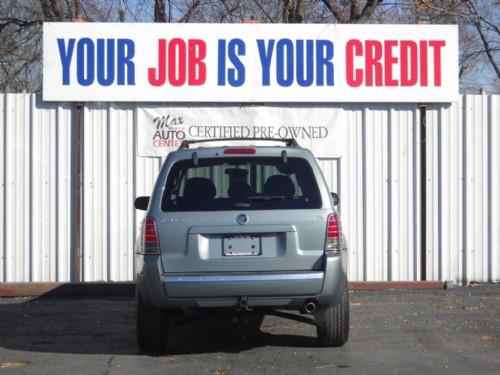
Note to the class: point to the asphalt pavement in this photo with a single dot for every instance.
(454, 331)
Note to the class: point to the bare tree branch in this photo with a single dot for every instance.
(187, 16)
(268, 16)
(160, 14)
(78, 10)
(355, 9)
(229, 11)
(487, 49)
(293, 11)
(492, 25)
(4, 22)
(299, 11)
(55, 10)
(355, 13)
(336, 10)
(476, 13)
(51, 11)
(367, 11)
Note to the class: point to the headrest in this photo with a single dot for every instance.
(199, 188)
(239, 190)
(279, 185)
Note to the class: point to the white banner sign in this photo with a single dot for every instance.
(161, 130)
(249, 62)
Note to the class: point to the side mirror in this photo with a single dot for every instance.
(335, 198)
(141, 203)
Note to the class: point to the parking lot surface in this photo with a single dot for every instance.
(454, 331)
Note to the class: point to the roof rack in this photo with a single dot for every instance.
(289, 142)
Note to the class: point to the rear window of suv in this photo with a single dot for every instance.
(235, 183)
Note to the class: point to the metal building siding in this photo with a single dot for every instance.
(377, 184)
(35, 189)
(477, 187)
(477, 175)
(377, 176)
(375, 192)
(444, 193)
(109, 219)
(95, 208)
(121, 193)
(51, 191)
(351, 192)
(403, 221)
(16, 194)
(494, 190)
(463, 190)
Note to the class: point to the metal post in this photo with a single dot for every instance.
(77, 241)
(423, 192)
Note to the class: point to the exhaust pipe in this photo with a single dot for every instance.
(309, 307)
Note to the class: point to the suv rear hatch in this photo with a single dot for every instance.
(240, 212)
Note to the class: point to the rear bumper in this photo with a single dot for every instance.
(277, 289)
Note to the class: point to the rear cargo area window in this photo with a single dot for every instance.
(236, 183)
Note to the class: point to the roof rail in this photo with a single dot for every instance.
(289, 142)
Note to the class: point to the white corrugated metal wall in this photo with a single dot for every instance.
(377, 177)
(35, 189)
(463, 190)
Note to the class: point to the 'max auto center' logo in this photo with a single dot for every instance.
(169, 132)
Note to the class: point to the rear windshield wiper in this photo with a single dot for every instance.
(241, 205)
(267, 198)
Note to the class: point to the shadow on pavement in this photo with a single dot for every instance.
(107, 326)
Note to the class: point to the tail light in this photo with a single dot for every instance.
(333, 233)
(149, 237)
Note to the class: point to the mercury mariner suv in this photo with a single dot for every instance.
(241, 228)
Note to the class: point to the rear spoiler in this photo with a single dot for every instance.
(289, 142)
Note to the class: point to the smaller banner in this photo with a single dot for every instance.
(162, 129)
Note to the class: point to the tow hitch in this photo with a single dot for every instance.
(244, 304)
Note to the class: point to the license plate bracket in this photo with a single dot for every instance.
(241, 245)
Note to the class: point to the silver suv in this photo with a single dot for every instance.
(241, 228)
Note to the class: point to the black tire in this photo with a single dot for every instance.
(332, 322)
(151, 326)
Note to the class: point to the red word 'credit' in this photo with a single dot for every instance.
(394, 63)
